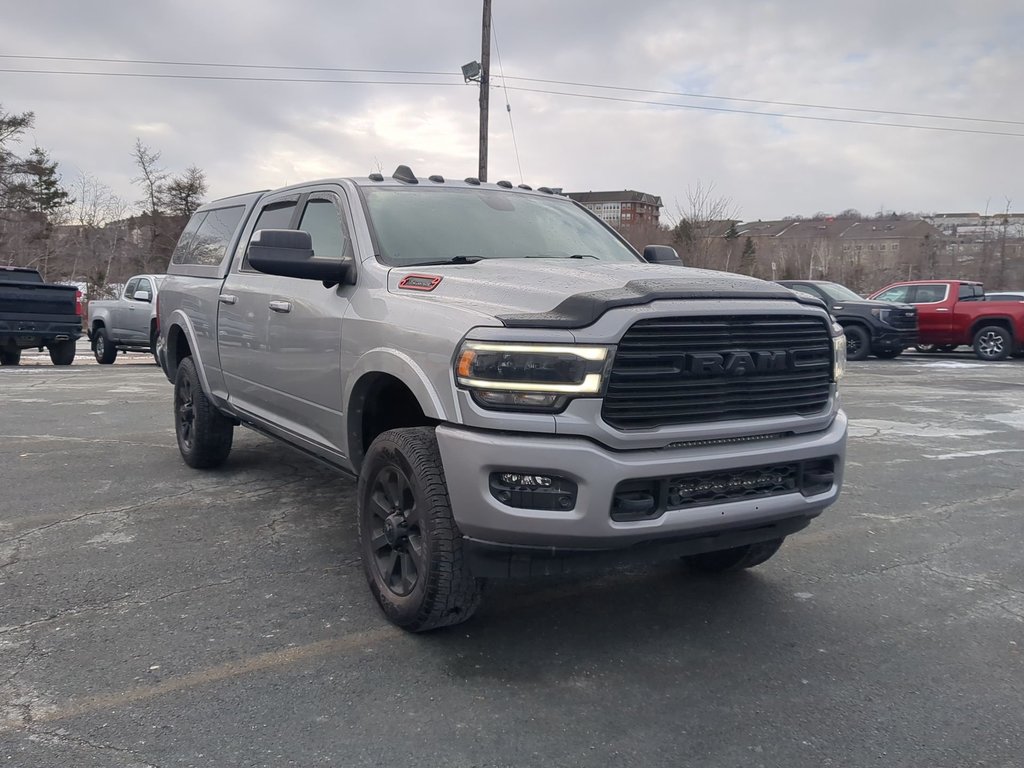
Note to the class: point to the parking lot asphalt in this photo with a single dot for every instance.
(153, 615)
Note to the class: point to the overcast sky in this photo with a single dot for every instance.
(930, 57)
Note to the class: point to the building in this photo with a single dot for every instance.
(621, 209)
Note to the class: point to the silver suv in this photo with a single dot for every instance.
(518, 391)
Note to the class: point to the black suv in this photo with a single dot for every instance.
(881, 328)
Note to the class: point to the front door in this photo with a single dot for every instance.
(280, 337)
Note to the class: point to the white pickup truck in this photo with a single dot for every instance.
(127, 323)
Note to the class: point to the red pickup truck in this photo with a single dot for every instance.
(955, 312)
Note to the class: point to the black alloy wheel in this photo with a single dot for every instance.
(185, 412)
(395, 535)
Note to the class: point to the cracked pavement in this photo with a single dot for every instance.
(152, 615)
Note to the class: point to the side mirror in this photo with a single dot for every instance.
(289, 253)
(662, 254)
(142, 296)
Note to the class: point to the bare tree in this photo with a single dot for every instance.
(151, 176)
(700, 230)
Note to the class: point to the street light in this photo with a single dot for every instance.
(471, 71)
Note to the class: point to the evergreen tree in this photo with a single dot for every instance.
(182, 195)
(11, 127)
(37, 185)
(748, 258)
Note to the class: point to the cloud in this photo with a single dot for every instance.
(877, 55)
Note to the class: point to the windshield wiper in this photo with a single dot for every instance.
(573, 256)
(452, 260)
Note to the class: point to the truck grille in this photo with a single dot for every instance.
(686, 370)
(904, 319)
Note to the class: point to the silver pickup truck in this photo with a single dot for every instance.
(518, 391)
(127, 323)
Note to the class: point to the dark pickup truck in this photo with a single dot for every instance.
(880, 328)
(35, 314)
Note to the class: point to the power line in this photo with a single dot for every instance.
(701, 107)
(163, 75)
(601, 86)
(279, 67)
(767, 102)
(508, 106)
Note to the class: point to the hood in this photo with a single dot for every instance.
(873, 303)
(569, 292)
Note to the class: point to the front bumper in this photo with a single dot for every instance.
(894, 339)
(469, 458)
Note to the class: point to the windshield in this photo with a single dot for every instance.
(839, 292)
(417, 226)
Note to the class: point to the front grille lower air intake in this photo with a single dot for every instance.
(690, 370)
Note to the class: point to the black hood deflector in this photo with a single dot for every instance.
(584, 309)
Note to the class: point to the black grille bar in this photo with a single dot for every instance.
(747, 366)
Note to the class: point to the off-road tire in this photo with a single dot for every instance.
(858, 342)
(62, 352)
(204, 434)
(993, 342)
(416, 569)
(102, 347)
(887, 354)
(735, 559)
(10, 356)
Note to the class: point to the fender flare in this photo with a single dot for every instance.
(400, 365)
(179, 319)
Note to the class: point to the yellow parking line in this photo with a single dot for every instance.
(231, 669)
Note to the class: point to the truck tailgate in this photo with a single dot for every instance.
(37, 301)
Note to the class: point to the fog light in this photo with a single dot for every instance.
(530, 490)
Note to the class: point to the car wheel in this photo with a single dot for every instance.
(924, 347)
(62, 352)
(411, 546)
(992, 342)
(10, 356)
(857, 342)
(152, 345)
(102, 347)
(887, 354)
(204, 433)
(734, 559)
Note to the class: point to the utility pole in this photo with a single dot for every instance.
(485, 87)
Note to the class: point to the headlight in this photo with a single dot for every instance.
(538, 377)
(882, 314)
(838, 352)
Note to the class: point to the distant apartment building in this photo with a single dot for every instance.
(621, 209)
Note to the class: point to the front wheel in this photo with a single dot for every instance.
(10, 356)
(103, 348)
(857, 342)
(204, 433)
(62, 352)
(152, 345)
(411, 547)
(993, 342)
(735, 559)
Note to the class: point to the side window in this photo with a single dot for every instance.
(326, 227)
(183, 250)
(929, 294)
(899, 294)
(966, 292)
(273, 216)
(129, 290)
(212, 238)
(143, 286)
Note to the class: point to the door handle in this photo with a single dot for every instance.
(280, 306)
(941, 309)
(132, 308)
(225, 298)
